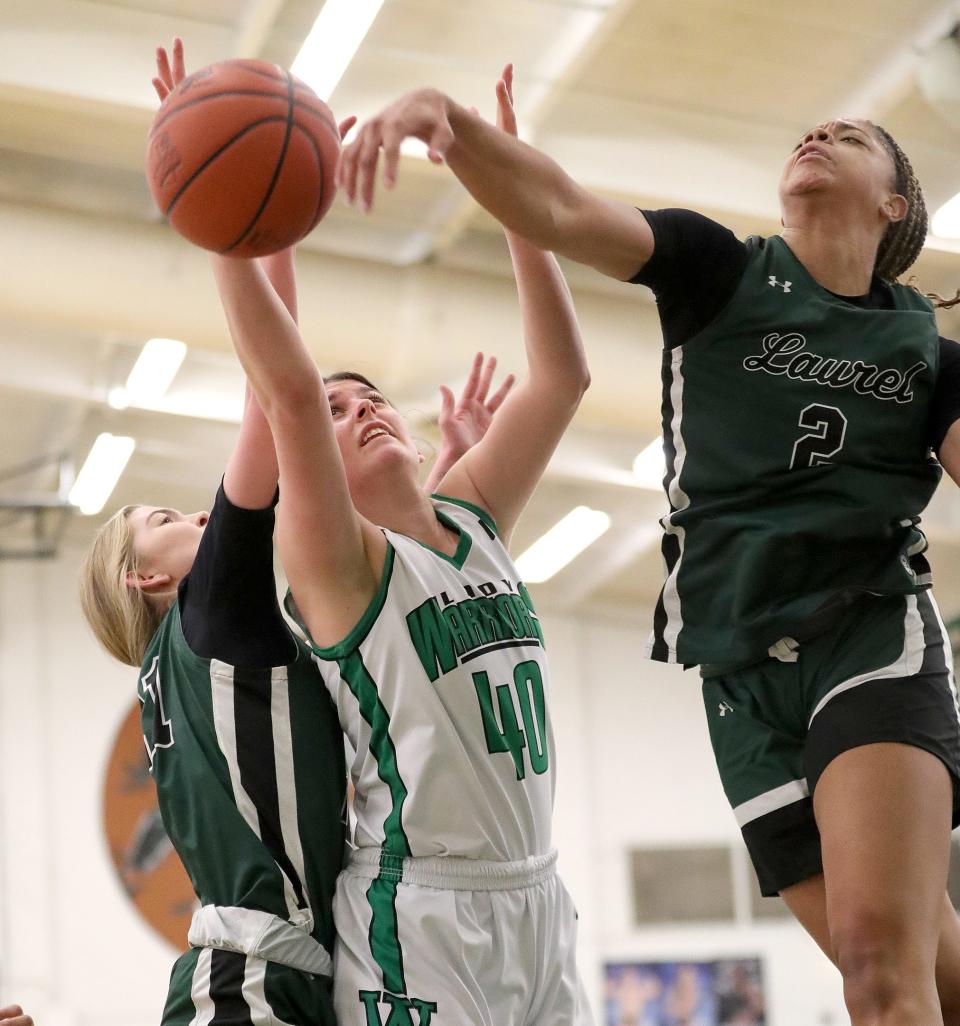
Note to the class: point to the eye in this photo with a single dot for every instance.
(165, 518)
(852, 138)
(335, 411)
(378, 400)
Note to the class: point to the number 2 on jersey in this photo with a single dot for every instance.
(827, 429)
(507, 736)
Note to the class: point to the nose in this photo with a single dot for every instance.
(819, 134)
(200, 519)
(364, 408)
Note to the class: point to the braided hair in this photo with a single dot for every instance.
(903, 240)
(901, 244)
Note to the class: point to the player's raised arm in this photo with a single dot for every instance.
(319, 531)
(501, 471)
(523, 188)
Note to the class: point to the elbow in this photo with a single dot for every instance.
(576, 385)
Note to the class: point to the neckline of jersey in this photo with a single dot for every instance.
(463, 545)
(860, 302)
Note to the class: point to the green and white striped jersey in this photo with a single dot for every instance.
(250, 778)
(798, 462)
(442, 693)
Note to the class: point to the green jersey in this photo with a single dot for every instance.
(249, 768)
(798, 462)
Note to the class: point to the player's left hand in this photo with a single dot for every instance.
(464, 421)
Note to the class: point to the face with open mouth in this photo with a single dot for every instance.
(367, 427)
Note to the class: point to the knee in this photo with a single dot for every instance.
(882, 966)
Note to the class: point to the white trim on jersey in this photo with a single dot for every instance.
(906, 664)
(222, 693)
(287, 787)
(679, 500)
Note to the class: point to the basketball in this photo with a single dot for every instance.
(241, 158)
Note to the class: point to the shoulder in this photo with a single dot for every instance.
(464, 511)
(685, 237)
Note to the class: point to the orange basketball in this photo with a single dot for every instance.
(241, 158)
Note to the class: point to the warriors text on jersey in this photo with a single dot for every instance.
(249, 772)
(442, 692)
(795, 427)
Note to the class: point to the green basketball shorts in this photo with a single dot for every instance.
(230, 988)
(882, 673)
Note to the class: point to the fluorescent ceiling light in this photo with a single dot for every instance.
(156, 367)
(650, 466)
(946, 221)
(333, 42)
(118, 398)
(100, 472)
(562, 544)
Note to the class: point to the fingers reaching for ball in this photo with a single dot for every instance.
(421, 114)
(170, 72)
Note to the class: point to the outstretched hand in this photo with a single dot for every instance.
(421, 114)
(464, 421)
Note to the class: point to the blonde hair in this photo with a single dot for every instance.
(121, 617)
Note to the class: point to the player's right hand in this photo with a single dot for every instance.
(13, 1015)
(422, 114)
(169, 75)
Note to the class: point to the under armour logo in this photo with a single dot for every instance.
(724, 708)
(785, 285)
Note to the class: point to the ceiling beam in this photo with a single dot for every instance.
(256, 26)
(587, 30)
(892, 76)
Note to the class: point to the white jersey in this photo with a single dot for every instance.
(442, 693)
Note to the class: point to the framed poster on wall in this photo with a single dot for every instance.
(724, 992)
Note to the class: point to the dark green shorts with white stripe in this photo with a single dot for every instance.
(227, 988)
(882, 673)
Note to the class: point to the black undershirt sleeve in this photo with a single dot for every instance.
(693, 273)
(945, 408)
(228, 601)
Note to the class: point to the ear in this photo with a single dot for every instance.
(420, 457)
(149, 584)
(895, 207)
